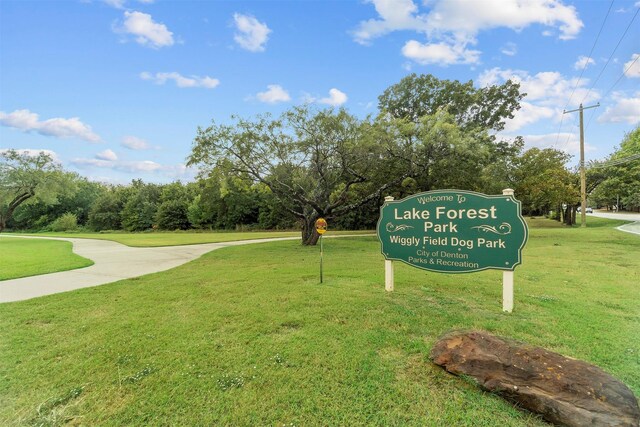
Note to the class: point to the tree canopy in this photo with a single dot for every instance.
(318, 164)
(619, 176)
(429, 134)
(542, 182)
(416, 96)
(25, 177)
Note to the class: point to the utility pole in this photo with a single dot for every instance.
(583, 175)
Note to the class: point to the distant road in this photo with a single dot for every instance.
(633, 227)
(627, 216)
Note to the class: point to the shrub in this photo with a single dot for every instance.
(66, 222)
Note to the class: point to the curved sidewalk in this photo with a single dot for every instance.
(112, 262)
(632, 227)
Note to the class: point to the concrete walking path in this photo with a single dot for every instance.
(112, 262)
(633, 227)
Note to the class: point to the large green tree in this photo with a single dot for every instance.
(78, 199)
(105, 210)
(317, 163)
(476, 160)
(619, 175)
(173, 207)
(25, 178)
(542, 181)
(435, 152)
(416, 96)
(430, 134)
(139, 211)
(329, 163)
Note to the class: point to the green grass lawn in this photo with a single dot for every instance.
(28, 257)
(248, 336)
(154, 239)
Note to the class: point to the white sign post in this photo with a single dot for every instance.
(388, 264)
(507, 276)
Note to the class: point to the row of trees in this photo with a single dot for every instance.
(288, 171)
(225, 201)
(139, 206)
(618, 177)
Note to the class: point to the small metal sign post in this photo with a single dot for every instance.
(321, 228)
(454, 231)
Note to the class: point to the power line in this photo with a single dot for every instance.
(586, 63)
(623, 74)
(612, 53)
(614, 85)
(615, 162)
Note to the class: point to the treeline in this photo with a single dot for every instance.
(617, 179)
(206, 204)
(225, 202)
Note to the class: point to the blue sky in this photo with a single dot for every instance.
(116, 89)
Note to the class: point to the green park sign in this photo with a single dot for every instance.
(453, 231)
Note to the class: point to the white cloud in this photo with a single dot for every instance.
(118, 4)
(466, 18)
(547, 88)
(273, 94)
(34, 152)
(547, 93)
(439, 53)
(252, 34)
(180, 80)
(146, 31)
(137, 167)
(68, 128)
(58, 127)
(633, 66)
(564, 141)
(527, 114)
(107, 155)
(456, 23)
(335, 98)
(567, 142)
(625, 110)
(135, 143)
(20, 119)
(396, 15)
(509, 49)
(124, 166)
(583, 62)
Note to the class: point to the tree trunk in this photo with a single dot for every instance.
(569, 215)
(309, 234)
(17, 201)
